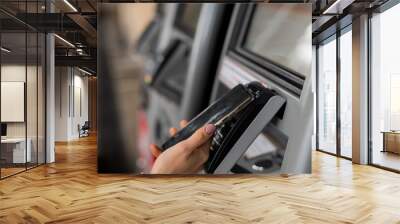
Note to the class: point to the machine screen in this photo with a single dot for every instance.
(279, 35)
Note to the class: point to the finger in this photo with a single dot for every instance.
(183, 123)
(202, 155)
(155, 150)
(173, 131)
(201, 136)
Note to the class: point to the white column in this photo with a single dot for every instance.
(50, 92)
(50, 99)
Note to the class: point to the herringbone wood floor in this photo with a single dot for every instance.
(70, 191)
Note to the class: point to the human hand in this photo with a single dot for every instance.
(186, 157)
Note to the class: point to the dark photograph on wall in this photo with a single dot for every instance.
(205, 88)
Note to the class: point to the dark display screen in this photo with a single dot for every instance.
(171, 76)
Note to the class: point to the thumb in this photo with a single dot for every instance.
(201, 136)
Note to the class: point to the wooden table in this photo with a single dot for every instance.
(13, 150)
(391, 141)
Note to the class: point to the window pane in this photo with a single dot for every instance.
(385, 86)
(346, 94)
(31, 100)
(32, 90)
(327, 97)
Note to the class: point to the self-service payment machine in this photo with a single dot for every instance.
(269, 44)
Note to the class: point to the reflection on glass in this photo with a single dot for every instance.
(327, 97)
(14, 153)
(279, 35)
(346, 94)
(385, 87)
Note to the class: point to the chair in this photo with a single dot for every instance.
(84, 130)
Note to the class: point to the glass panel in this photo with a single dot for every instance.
(31, 89)
(13, 87)
(31, 98)
(22, 102)
(280, 35)
(385, 87)
(327, 96)
(346, 94)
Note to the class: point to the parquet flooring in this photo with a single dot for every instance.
(71, 191)
(10, 171)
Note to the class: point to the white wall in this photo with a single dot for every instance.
(79, 117)
(62, 81)
(70, 83)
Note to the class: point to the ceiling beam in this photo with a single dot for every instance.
(84, 24)
(82, 61)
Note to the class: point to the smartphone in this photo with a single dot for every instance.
(218, 112)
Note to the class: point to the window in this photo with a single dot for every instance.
(327, 96)
(385, 89)
(394, 102)
(346, 93)
(334, 94)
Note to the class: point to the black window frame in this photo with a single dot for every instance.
(333, 37)
(26, 29)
